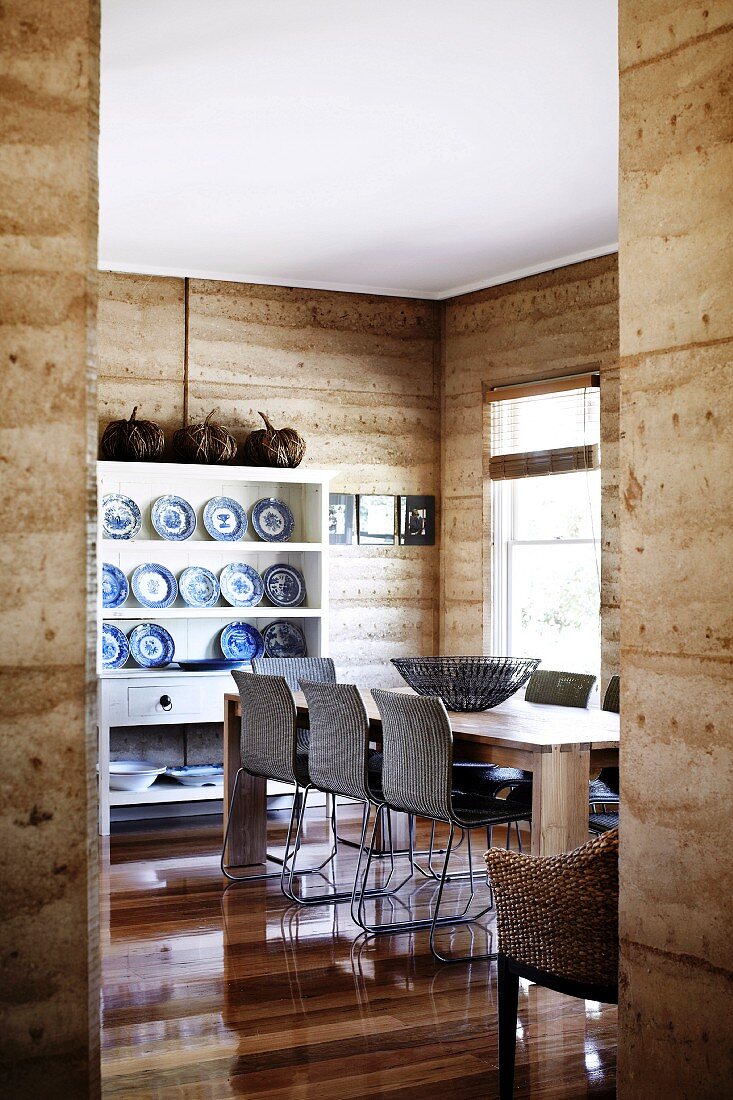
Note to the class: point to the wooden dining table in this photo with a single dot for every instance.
(560, 746)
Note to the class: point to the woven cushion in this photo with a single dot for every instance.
(471, 777)
(482, 810)
(601, 793)
(602, 823)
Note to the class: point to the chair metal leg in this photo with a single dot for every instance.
(271, 858)
(508, 999)
(438, 920)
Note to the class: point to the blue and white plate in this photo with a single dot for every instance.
(284, 639)
(209, 664)
(173, 518)
(241, 585)
(151, 645)
(241, 642)
(121, 517)
(272, 520)
(225, 519)
(284, 585)
(198, 586)
(154, 586)
(115, 588)
(197, 775)
(115, 647)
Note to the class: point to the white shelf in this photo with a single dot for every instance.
(230, 613)
(193, 471)
(166, 792)
(249, 546)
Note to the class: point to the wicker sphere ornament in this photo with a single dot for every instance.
(133, 440)
(270, 446)
(206, 442)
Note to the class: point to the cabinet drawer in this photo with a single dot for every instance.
(178, 700)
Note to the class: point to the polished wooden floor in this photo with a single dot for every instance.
(213, 994)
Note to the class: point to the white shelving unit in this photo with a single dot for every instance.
(137, 697)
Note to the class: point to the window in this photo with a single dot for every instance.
(546, 521)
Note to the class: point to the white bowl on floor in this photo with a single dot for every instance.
(132, 775)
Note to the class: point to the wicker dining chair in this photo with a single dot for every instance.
(269, 750)
(417, 778)
(604, 791)
(339, 763)
(561, 689)
(557, 919)
(293, 669)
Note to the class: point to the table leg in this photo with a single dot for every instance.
(400, 833)
(248, 836)
(103, 777)
(560, 799)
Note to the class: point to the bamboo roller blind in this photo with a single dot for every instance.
(545, 428)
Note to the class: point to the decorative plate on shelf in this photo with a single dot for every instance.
(197, 775)
(115, 588)
(115, 647)
(272, 520)
(241, 585)
(284, 585)
(225, 519)
(198, 586)
(151, 645)
(241, 642)
(154, 586)
(121, 517)
(173, 518)
(284, 639)
(209, 664)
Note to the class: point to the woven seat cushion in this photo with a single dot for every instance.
(601, 823)
(476, 809)
(600, 792)
(471, 777)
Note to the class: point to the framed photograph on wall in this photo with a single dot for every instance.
(417, 521)
(376, 520)
(341, 518)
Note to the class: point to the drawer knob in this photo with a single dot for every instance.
(166, 702)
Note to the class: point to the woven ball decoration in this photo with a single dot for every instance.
(206, 442)
(270, 446)
(133, 440)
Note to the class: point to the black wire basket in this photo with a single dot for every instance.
(467, 683)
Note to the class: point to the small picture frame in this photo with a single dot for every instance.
(341, 519)
(376, 520)
(417, 521)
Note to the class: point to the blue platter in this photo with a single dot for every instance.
(115, 588)
(115, 647)
(198, 586)
(225, 519)
(241, 642)
(151, 645)
(284, 639)
(209, 664)
(284, 585)
(154, 586)
(241, 585)
(173, 518)
(272, 520)
(121, 517)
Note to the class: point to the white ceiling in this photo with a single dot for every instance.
(417, 147)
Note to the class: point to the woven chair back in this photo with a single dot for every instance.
(418, 753)
(562, 689)
(268, 738)
(560, 913)
(293, 669)
(339, 739)
(611, 699)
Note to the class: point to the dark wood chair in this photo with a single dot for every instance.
(557, 921)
